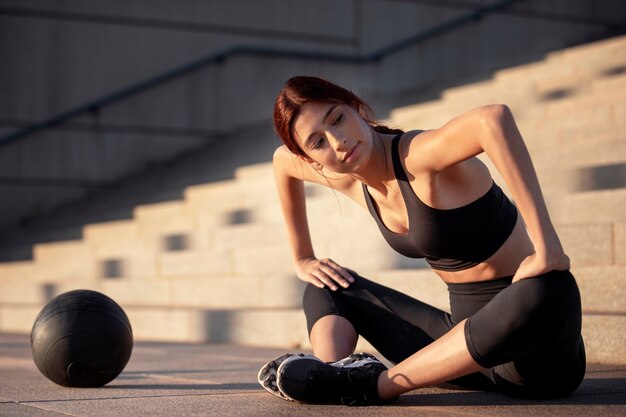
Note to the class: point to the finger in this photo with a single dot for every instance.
(345, 274)
(338, 273)
(314, 281)
(516, 278)
(521, 273)
(325, 279)
(334, 275)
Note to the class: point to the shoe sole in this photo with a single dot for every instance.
(267, 376)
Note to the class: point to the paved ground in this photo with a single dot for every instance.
(164, 379)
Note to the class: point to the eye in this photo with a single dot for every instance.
(338, 119)
(318, 143)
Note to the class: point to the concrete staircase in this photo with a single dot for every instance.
(215, 265)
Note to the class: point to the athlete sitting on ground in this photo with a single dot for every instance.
(515, 314)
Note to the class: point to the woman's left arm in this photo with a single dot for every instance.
(492, 129)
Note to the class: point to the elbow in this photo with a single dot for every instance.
(496, 119)
(497, 114)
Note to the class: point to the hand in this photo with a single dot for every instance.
(323, 272)
(539, 263)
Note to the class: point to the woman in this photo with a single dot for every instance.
(515, 315)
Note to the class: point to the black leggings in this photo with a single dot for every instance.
(526, 334)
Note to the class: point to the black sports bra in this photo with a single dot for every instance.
(449, 240)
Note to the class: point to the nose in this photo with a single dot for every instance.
(339, 142)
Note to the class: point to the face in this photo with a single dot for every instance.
(334, 136)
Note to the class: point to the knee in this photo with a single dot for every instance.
(314, 296)
(547, 294)
(534, 297)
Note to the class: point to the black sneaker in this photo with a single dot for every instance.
(309, 380)
(267, 374)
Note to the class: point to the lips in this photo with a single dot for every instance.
(350, 153)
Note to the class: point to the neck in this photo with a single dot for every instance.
(378, 172)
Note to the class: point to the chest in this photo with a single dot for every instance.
(391, 209)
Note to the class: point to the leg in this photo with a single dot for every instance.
(333, 338)
(394, 323)
(554, 366)
(397, 326)
(533, 348)
(445, 359)
(310, 380)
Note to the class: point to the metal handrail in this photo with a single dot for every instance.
(221, 56)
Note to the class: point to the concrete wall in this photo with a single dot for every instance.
(57, 55)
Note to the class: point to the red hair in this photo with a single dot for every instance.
(301, 90)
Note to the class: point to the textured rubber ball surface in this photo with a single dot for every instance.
(81, 338)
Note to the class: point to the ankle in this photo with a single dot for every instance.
(385, 390)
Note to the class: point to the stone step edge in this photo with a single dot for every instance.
(286, 328)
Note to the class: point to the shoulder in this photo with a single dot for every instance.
(411, 147)
(287, 164)
(281, 152)
(459, 139)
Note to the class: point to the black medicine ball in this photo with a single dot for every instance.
(81, 338)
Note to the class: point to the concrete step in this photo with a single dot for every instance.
(566, 136)
(363, 254)
(255, 171)
(284, 328)
(597, 95)
(589, 244)
(605, 342)
(600, 206)
(529, 83)
(23, 282)
(64, 261)
(195, 263)
(209, 290)
(592, 58)
(19, 270)
(119, 250)
(616, 82)
(18, 318)
(234, 237)
(580, 167)
(244, 201)
(269, 260)
(110, 236)
(429, 115)
(602, 54)
(581, 155)
(155, 222)
(245, 191)
(586, 101)
(243, 291)
(602, 288)
(553, 125)
(619, 236)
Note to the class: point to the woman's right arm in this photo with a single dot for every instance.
(290, 185)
